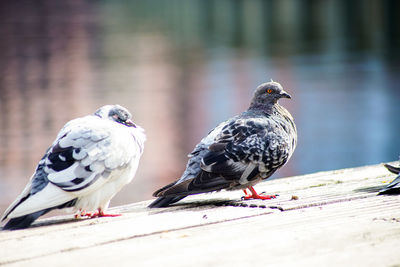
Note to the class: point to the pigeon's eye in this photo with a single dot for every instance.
(118, 119)
(269, 91)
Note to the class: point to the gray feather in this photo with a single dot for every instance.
(394, 186)
(240, 151)
(86, 150)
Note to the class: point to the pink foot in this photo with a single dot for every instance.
(100, 213)
(83, 213)
(254, 195)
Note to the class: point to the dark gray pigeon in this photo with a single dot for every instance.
(92, 158)
(239, 152)
(394, 186)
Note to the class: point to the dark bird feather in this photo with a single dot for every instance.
(393, 187)
(239, 152)
(26, 220)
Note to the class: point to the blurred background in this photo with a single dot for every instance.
(182, 66)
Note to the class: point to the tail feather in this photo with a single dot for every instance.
(26, 220)
(162, 202)
(23, 221)
(204, 182)
(159, 191)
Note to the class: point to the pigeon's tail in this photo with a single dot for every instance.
(23, 221)
(204, 182)
(160, 191)
(26, 220)
(162, 202)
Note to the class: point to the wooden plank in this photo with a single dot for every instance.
(337, 215)
(328, 236)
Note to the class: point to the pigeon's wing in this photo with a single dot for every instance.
(243, 149)
(37, 182)
(84, 154)
(80, 161)
(193, 168)
(247, 148)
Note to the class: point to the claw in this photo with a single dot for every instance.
(82, 213)
(101, 213)
(254, 195)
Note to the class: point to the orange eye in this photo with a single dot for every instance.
(269, 91)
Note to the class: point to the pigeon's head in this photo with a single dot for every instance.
(116, 113)
(268, 93)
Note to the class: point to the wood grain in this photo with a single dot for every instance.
(325, 219)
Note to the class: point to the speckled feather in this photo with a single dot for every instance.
(92, 158)
(240, 151)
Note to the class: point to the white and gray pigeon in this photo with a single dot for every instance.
(394, 186)
(92, 158)
(239, 152)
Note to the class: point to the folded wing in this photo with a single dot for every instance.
(79, 162)
(245, 150)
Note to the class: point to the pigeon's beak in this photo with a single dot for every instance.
(130, 123)
(285, 95)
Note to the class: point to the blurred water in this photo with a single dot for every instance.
(183, 66)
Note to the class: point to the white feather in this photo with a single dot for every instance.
(64, 175)
(111, 150)
(49, 197)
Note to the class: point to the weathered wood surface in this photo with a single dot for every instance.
(338, 219)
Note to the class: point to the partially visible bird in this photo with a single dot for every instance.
(239, 152)
(92, 158)
(394, 186)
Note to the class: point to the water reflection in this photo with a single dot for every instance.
(183, 66)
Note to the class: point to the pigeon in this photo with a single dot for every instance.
(92, 158)
(394, 186)
(239, 152)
